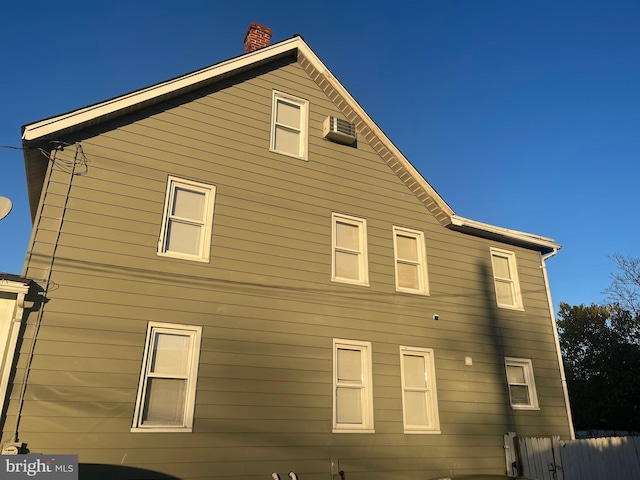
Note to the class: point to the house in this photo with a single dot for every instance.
(242, 275)
(14, 291)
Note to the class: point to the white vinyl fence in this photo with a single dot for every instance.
(585, 459)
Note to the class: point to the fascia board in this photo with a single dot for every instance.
(51, 125)
(543, 244)
(10, 286)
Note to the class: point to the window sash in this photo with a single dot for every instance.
(522, 389)
(166, 391)
(185, 235)
(352, 380)
(505, 279)
(419, 393)
(349, 258)
(289, 120)
(411, 270)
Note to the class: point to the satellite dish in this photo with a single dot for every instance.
(5, 207)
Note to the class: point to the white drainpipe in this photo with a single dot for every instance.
(554, 328)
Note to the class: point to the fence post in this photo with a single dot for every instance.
(556, 445)
(512, 459)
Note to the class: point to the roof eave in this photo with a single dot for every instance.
(85, 116)
(505, 235)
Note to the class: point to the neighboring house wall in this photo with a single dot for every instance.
(12, 298)
(265, 299)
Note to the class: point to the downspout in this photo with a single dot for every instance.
(554, 328)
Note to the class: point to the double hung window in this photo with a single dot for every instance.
(411, 261)
(187, 221)
(289, 119)
(505, 277)
(522, 387)
(419, 398)
(167, 388)
(349, 263)
(352, 386)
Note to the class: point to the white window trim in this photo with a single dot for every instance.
(432, 407)
(423, 276)
(205, 241)
(304, 123)
(529, 382)
(195, 334)
(367, 386)
(363, 263)
(515, 283)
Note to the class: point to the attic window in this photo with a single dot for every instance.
(289, 120)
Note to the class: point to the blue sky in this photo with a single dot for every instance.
(523, 114)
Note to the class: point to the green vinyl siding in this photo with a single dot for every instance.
(266, 302)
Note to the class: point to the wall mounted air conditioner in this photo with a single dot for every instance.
(339, 131)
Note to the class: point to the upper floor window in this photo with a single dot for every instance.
(349, 262)
(289, 120)
(411, 261)
(419, 398)
(187, 220)
(505, 277)
(352, 386)
(167, 389)
(522, 386)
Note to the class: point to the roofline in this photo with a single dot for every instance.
(13, 283)
(529, 240)
(48, 126)
(43, 128)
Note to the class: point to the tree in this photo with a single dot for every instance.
(625, 288)
(602, 357)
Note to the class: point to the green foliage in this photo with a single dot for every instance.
(602, 363)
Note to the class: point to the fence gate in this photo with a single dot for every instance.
(539, 458)
(584, 459)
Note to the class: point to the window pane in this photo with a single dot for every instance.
(519, 395)
(287, 141)
(347, 265)
(349, 405)
(501, 266)
(349, 365)
(407, 248)
(170, 354)
(288, 115)
(416, 408)
(414, 371)
(188, 204)
(183, 237)
(504, 292)
(347, 236)
(516, 374)
(408, 276)
(164, 403)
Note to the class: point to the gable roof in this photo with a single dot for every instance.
(76, 120)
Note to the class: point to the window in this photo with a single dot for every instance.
(349, 263)
(166, 393)
(419, 399)
(505, 277)
(187, 220)
(352, 390)
(289, 118)
(411, 261)
(522, 387)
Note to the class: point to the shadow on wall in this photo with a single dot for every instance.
(98, 471)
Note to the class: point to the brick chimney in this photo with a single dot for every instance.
(257, 36)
